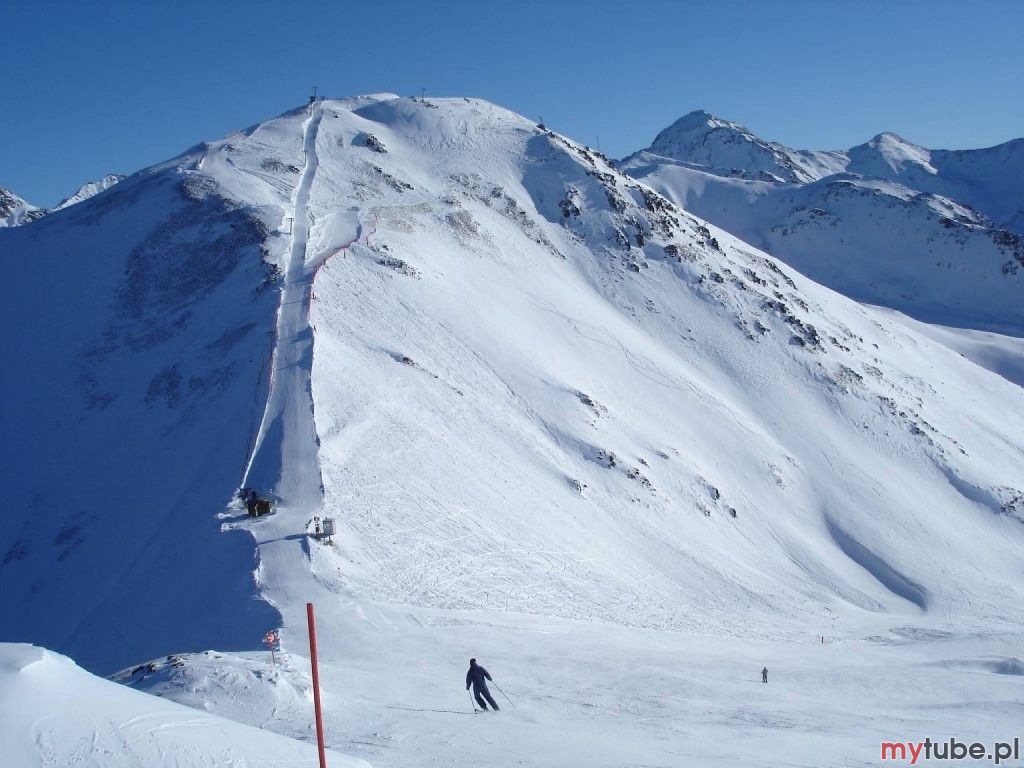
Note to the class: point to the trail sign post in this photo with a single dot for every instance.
(270, 640)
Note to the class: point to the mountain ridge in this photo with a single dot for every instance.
(927, 232)
(14, 211)
(692, 139)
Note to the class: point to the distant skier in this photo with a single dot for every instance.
(764, 675)
(477, 676)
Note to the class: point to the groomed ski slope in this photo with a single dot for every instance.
(612, 697)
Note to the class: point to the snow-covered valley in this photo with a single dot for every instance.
(622, 456)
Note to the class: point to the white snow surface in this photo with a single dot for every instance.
(618, 454)
(57, 714)
(610, 696)
(1000, 354)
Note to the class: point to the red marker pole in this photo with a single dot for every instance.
(316, 685)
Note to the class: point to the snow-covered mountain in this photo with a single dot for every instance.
(727, 148)
(86, 191)
(988, 179)
(886, 222)
(553, 415)
(985, 179)
(15, 211)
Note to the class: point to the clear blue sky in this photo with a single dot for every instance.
(95, 87)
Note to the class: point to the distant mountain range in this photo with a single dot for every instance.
(15, 211)
(933, 233)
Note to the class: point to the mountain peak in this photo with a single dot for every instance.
(698, 121)
(889, 155)
(728, 148)
(888, 138)
(703, 117)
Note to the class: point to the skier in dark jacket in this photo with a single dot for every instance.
(764, 675)
(477, 676)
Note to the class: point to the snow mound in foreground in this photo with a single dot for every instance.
(54, 713)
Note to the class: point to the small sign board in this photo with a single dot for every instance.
(328, 529)
(270, 640)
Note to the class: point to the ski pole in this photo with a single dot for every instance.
(504, 694)
(471, 702)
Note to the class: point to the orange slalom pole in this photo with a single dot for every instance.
(316, 685)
